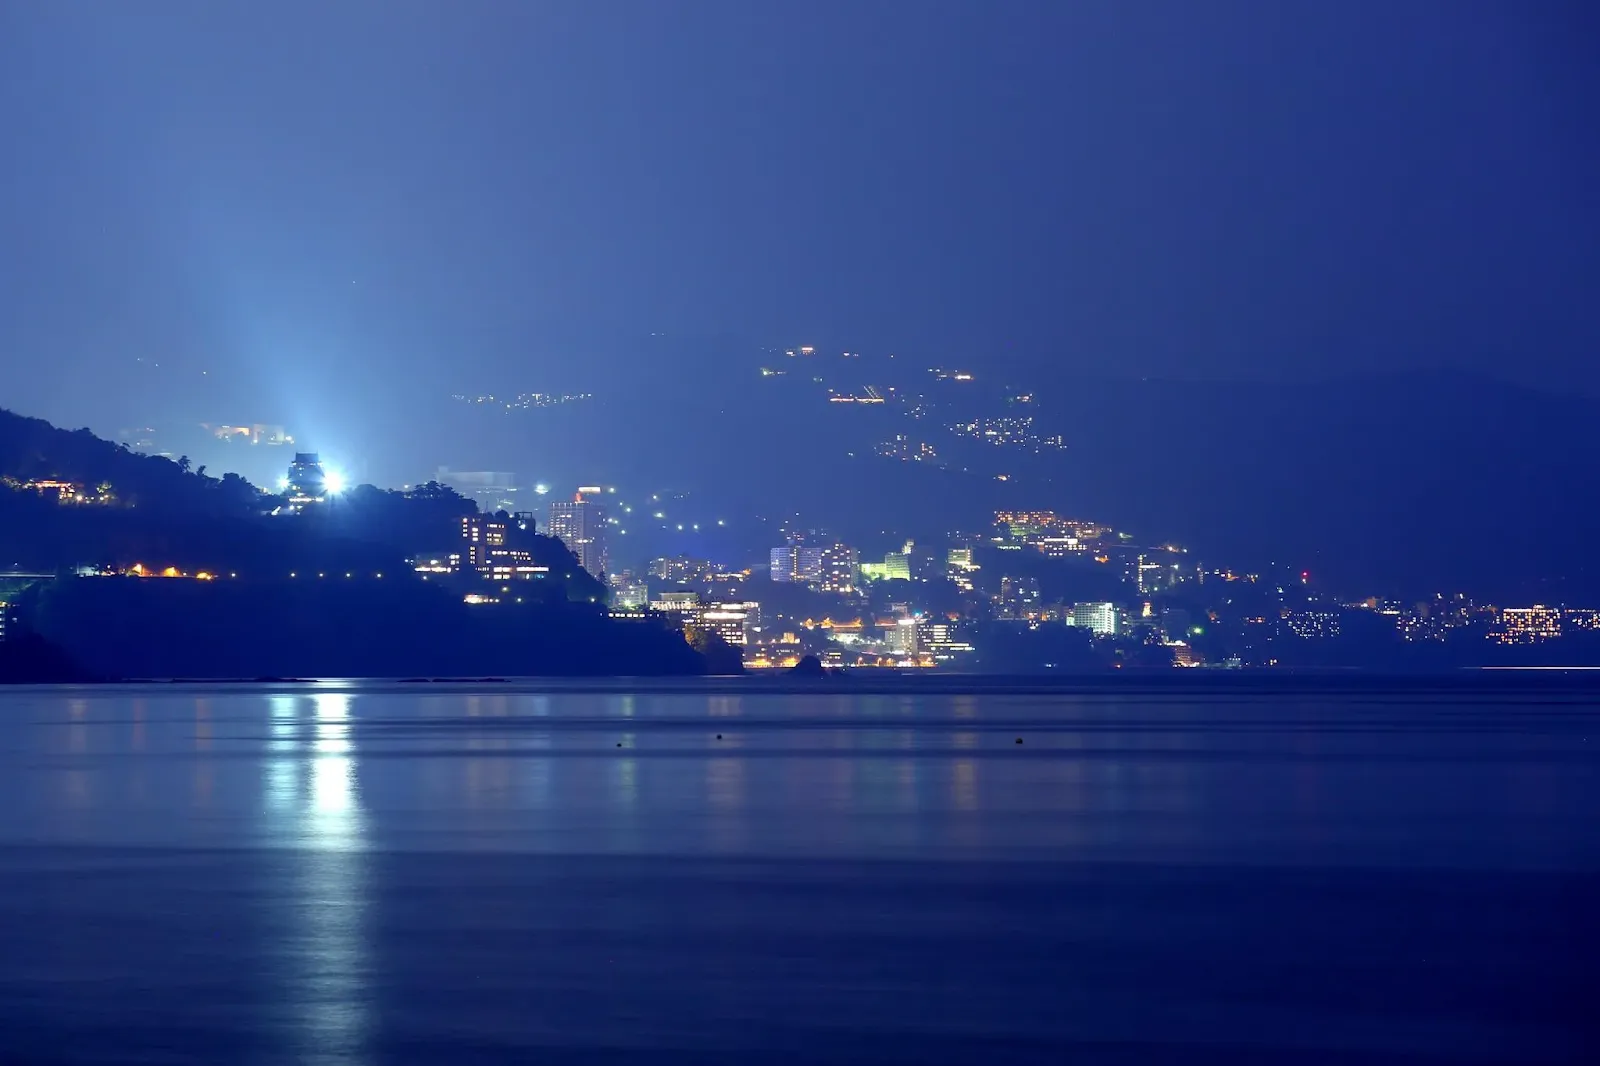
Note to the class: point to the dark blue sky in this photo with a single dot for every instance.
(455, 193)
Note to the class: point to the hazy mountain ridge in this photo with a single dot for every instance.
(1405, 483)
(1409, 483)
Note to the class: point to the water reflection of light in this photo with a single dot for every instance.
(76, 778)
(78, 731)
(725, 792)
(283, 765)
(487, 778)
(965, 785)
(625, 783)
(537, 775)
(324, 825)
(202, 725)
(333, 783)
(625, 799)
(334, 941)
(725, 783)
(625, 771)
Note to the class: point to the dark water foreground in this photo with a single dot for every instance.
(388, 874)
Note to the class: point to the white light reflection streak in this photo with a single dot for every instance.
(283, 767)
(625, 783)
(624, 793)
(325, 827)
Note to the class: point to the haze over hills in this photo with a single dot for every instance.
(1415, 482)
(242, 584)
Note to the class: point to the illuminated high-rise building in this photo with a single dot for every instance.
(481, 535)
(784, 563)
(484, 549)
(959, 568)
(629, 593)
(798, 561)
(941, 640)
(1098, 618)
(733, 622)
(838, 566)
(580, 524)
(901, 638)
(897, 565)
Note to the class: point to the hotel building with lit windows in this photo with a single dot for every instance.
(580, 524)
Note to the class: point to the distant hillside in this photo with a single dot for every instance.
(33, 449)
(156, 513)
(1401, 484)
(1405, 484)
(326, 592)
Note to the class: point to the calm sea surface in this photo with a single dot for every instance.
(369, 873)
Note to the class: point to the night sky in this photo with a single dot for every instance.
(391, 199)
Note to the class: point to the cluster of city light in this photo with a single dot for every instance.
(907, 450)
(1007, 431)
(1311, 625)
(524, 401)
(140, 570)
(1528, 625)
(65, 491)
